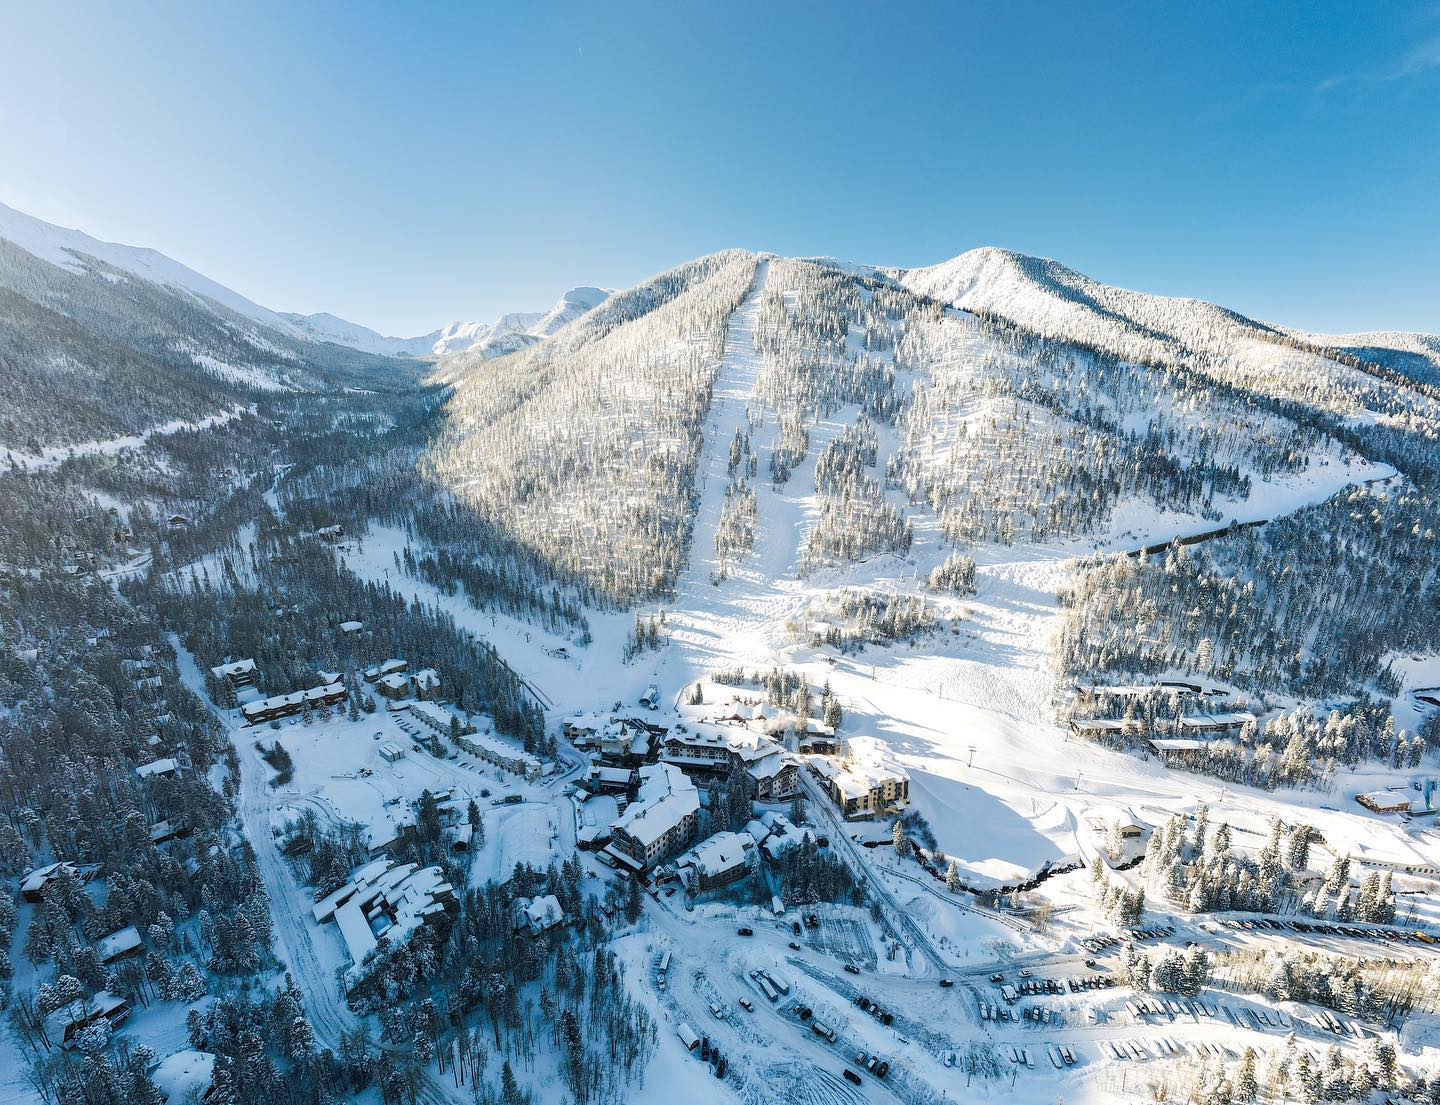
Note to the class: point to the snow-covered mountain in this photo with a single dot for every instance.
(65, 247)
(324, 326)
(1056, 301)
(507, 334)
(512, 332)
(101, 341)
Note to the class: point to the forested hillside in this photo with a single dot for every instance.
(94, 351)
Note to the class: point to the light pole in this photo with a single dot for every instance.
(971, 762)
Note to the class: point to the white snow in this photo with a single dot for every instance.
(59, 245)
(58, 454)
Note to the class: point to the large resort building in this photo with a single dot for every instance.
(287, 705)
(660, 821)
(713, 752)
(867, 782)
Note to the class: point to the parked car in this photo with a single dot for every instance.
(947, 982)
(852, 969)
(851, 1076)
(747, 931)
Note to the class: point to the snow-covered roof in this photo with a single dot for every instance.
(665, 799)
(427, 678)
(538, 914)
(395, 681)
(351, 627)
(180, 1074)
(35, 881)
(720, 853)
(748, 746)
(1099, 724)
(868, 766)
(118, 943)
(503, 749)
(230, 671)
(438, 715)
(1216, 721)
(385, 902)
(294, 698)
(166, 766)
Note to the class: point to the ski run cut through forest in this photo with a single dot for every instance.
(784, 680)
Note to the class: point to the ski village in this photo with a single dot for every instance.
(785, 680)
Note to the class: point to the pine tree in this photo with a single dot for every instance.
(900, 840)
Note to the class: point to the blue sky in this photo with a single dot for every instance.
(406, 165)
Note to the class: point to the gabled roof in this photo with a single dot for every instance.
(665, 799)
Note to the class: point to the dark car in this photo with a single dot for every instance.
(794, 947)
(852, 969)
(851, 1076)
(747, 932)
(883, 1069)
(796, 926)
(947, 982)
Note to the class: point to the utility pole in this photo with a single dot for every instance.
(1078, 776)
(971, 762)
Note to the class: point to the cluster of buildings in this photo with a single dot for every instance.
(713, 752)
(393, 680)
(728, 857)
(486, 745)
(1191, 732)
(384, 901)
(863, 780)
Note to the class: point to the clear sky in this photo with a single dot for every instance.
(404, 165)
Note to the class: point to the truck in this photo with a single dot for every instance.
(766, 988)
(781, 986)
(823, 1030)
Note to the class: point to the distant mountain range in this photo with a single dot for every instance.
(102, 339)
(506, 334)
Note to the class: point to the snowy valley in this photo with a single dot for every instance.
(779, 680)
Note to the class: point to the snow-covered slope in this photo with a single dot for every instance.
(460, 336)
(59, 246)
(1416, 355)
(101, 341)
(1046, 296)
(572, 305)
(324, 326)
(513, 332)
